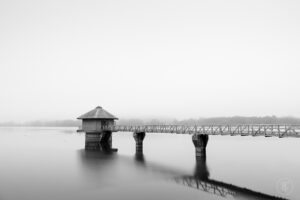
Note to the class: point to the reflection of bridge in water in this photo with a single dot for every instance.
(198, 180)
(201, 181)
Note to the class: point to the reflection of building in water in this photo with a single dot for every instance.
(201, 181)
(95, 160)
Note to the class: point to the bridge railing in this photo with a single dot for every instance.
(267, 130)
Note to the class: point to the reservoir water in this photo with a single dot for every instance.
(51, 163)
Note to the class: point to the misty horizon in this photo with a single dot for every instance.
(165, 121)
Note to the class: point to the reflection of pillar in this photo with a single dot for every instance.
(106, 141)
(92, 141)
(139, 137)
(200, 142)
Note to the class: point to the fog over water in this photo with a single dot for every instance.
(50, 163)
(178, 61)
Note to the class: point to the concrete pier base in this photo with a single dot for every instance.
(100, 141)
(200, 142)
(201, 170)
(92, 141)
(139, 137)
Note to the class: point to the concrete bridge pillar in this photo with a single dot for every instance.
(201, 169)
(139, 137)
(200, 142)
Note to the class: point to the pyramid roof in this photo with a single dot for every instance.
(97, 113)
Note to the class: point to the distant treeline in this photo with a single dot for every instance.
(200, 121)
(215, 120)
(56, 123)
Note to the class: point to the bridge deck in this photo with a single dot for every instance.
(267, 130)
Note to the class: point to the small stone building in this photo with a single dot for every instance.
(96, 120)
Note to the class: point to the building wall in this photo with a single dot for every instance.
(91, 125)
(108, 122)
(95, 125)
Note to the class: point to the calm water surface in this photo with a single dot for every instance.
(50, 163)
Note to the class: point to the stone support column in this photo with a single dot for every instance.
(200, 142)
(139, 137)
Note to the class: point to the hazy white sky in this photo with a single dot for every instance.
(158, 58)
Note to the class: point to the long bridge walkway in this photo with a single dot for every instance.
(101, 137)
(201, 133)
(98, 124)
(267, 130)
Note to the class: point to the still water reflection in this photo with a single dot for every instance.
(50, 163)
